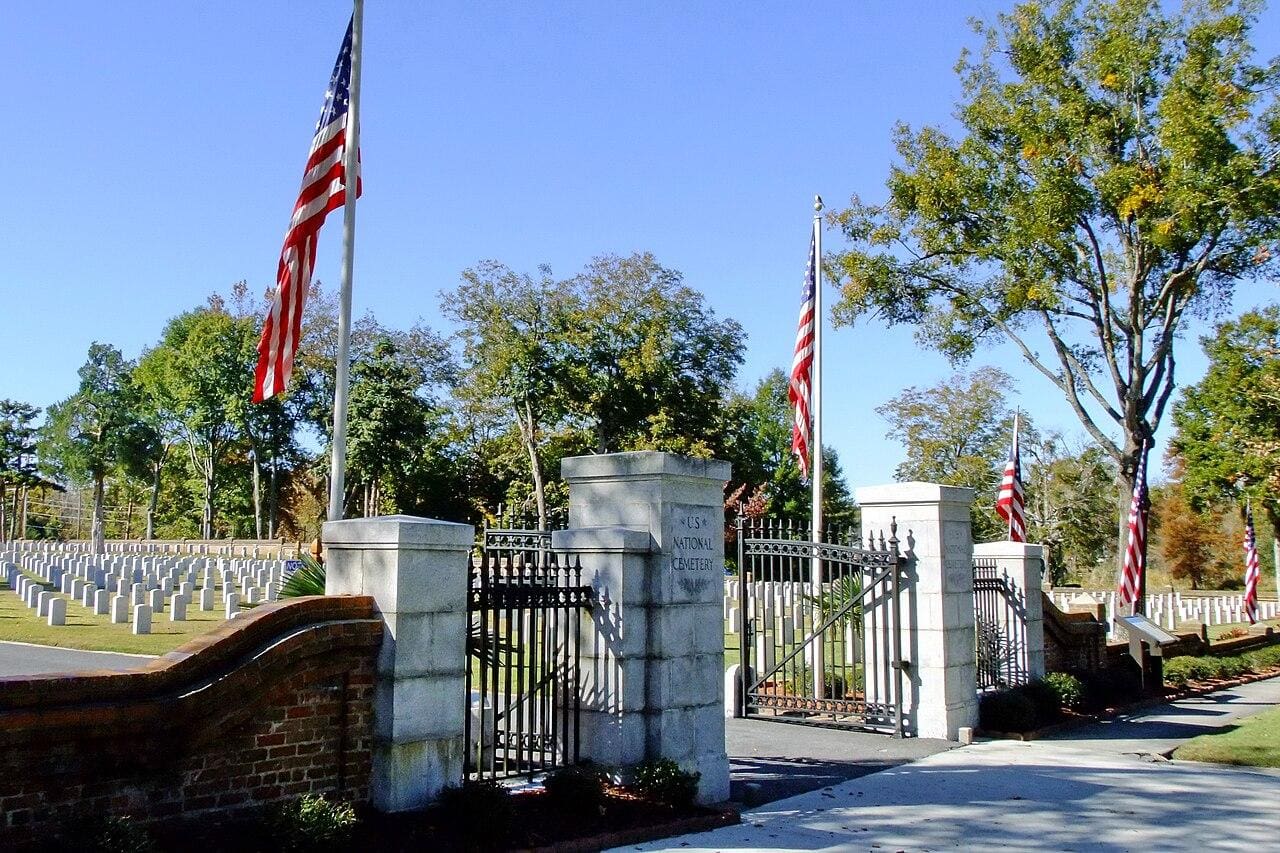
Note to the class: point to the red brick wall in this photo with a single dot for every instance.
(274, 705)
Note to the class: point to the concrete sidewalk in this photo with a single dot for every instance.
(30, 659)
(1099, 787)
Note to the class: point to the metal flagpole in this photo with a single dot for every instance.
(819, 665)
(351, 176)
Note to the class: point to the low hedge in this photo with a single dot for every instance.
(1180, 670)
(1030, 706)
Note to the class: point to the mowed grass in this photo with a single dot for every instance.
(1255, 742)
(87, 630)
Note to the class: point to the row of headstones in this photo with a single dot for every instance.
(146, 547)
(266, 576)
(52, 606)
(1170, 609)
(776, 602)
(138, 582)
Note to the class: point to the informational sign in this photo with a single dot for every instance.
(1146, 630)
(292, 565)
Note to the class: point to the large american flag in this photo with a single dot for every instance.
(1135, 555)
(1009, 501)
(323, 190)
(1250, 569)
(800, 389)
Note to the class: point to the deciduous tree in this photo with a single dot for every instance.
(1115, 172)
(98, 430)
(17, 450)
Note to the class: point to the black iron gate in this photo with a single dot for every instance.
(522, 679)
(820, 629)
(1000, 626)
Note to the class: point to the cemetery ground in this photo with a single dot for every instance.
(86, 630)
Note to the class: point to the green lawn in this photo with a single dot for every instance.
(1216, 631)
(1255, 742)
(87, 630)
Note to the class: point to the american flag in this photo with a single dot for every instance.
(800, 389)
(1250, 569)
(323, 190)
(1135, 555)
(1009, 501)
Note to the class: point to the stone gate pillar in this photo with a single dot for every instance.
(1023, 562)
(417, 570)
(941, 694)
(649, 530)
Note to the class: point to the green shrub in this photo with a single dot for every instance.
(1177, 671)
(1006, 711)
(578, 789)
(1045, 699)
(663, 780)
(1233, 667)
(307, 579)
(482, 811)
(1264, 658)
(312, 822)
(834, 686)
(115, 835)
(1068, 688)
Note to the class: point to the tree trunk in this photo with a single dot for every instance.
(13, 517)
(22, 529)
(257, 496)
(530, 437)
(98, 531)
(2, 518)
(206, 523)
(128, 518)
(273, 499)
(155, 499)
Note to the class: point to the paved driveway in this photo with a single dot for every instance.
(27, 659)
(1101, 788)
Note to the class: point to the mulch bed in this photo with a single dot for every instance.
(536, 825)
(1073, 719)
(539, 825)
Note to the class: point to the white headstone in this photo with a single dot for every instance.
(42, 602)
(119, 610)
(206, 598)
(101, 600)
(233, 604)
(142, 619)
(155, 599)
(178, 608)
(58, 611)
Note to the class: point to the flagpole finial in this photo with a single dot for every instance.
(817, 204)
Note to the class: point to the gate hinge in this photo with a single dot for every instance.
(901, 664)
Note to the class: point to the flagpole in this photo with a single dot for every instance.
(351, 173)
(819, 665)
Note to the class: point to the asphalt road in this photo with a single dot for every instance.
(25, 659)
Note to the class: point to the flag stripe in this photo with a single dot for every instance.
(1135, 555)
(799, 390)
(323, 191)
(1010, 502)
(1251, 570)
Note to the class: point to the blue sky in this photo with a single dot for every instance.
(154, 151)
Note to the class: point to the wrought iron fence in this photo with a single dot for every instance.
(522, 679)
(1000, 623)
(821, 632)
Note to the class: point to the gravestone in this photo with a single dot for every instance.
(58, 611)
(232, 601)
(119, 610)
(155, 600)
(206, 598)
(142, 619)
(100, 602)
(178, 608)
